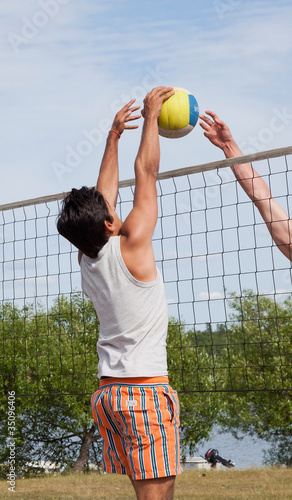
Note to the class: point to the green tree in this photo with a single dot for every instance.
(51, 360)
(259, 357)
(237, 376)
(191, 373)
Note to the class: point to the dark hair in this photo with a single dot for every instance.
(81, 220)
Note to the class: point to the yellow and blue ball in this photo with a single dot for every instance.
(179, 114)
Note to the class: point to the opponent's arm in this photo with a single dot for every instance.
(137, 230)
(108, 178)
(275, 217)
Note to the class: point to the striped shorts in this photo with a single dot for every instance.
(138, 419)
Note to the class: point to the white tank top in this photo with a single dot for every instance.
(133, 316)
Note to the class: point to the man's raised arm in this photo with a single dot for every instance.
(275, 217)
(108, 178)
(138, 228)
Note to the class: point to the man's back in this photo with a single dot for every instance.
(133, 316)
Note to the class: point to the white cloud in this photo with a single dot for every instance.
(69, 75)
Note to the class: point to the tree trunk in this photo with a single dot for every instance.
(84, 451)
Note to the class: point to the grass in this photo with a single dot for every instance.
(249, 484)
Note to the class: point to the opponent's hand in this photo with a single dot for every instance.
(154, 100)
(215, 130)
(124, 116)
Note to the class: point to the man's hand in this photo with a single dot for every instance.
(108, 179)
(125, 115)
(154, 100)
(216, 130)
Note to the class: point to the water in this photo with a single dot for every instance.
(246, 453)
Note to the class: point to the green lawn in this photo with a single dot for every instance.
(249, 484)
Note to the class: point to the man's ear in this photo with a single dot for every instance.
(109, 226)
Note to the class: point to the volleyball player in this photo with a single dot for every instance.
(135, 409)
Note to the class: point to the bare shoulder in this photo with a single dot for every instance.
(139, 259)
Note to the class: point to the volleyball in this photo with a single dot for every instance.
(179, 114)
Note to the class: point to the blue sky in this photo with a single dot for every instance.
(68, 66)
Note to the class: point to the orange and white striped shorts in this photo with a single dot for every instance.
(138, 419)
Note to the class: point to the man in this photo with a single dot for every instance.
(275, 217)
(135, 409)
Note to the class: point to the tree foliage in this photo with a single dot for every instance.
(190, 373)
(260, 358)
(236, 376)
(51, 360)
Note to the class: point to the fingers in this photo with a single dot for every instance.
(133, 117)
(211, 113)
(158, 94)
(128, 111)
(206, 120)
(154, 100)
(168, 94)
(134, 108)
(128, 105)
(127, 108)
(129, 116)
(161, 90)
(215, 117)
(126, 115)
(164, 92)
(131, 127)
(204, 126)
(206, 123)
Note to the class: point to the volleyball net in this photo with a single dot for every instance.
(228, 287)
